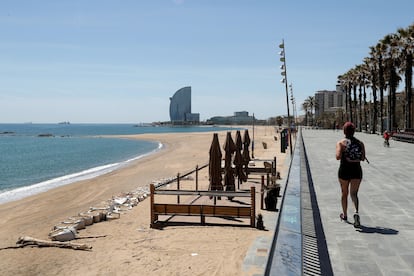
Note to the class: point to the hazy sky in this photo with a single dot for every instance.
(109, 61)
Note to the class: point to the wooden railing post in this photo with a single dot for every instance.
(262, 193)
(253, 207)
(178, 187)
(196, 178)
(152, 191)
(267, 179)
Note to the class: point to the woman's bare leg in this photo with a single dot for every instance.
(354, 193)
(344, 196)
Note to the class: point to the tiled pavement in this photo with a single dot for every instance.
(385, 243)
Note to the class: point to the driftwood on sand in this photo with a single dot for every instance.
(29, 241)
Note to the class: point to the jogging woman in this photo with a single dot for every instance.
(350, 151)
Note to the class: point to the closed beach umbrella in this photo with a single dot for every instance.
(229, 149)
(246, 154)
(214, 165)
(238, 159)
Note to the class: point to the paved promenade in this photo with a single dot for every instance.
(385, 243)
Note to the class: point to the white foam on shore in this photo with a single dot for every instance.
(22, 192)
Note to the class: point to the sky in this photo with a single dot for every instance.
(107, 61)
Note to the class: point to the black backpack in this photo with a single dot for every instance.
(353, 150)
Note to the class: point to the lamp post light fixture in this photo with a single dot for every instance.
(292, 99)
(284, 80)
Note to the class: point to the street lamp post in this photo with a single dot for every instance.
(253, 139)
(284, 80)
(292, 99)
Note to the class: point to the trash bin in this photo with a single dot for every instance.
(271, 198)
(282, 142)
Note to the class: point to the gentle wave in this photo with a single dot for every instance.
(22, 192)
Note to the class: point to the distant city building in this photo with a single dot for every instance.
(241, 114)
(329, 101)
(239, 118)
(180, 107)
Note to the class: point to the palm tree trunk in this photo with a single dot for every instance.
(355, 105)
(408, 90)
(393, 89)
(381, 87)
(350, 102)
(346, 104)
(389, 119)
(365, 111)
(374, 121)
(360, 108)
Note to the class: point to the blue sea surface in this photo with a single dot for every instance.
(30, 163)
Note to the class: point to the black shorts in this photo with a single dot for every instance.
(350, 171)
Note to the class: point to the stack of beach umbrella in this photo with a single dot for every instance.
(238, 153)
(246, 154)
(238, 160)
(214, 165)
(229, 149)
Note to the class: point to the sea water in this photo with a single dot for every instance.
(37, 157)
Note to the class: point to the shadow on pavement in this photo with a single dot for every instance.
(377, 229)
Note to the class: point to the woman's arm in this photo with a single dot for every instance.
(363, 152)
(339, 147)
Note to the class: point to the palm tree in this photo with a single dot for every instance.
(359, 71)
(353, 104)
(354, 80)
(372, 77)
(341, 83)
(406, 45)
(305, 107)
(391, 57)
(379, 52)
(364, 83)
(310, 104)
(392, 62)
(346, 83)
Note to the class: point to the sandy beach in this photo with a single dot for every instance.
(130, 246)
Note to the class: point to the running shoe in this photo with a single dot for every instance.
(357, 222)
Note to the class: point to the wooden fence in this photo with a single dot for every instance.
(202, 210)
(208, 210)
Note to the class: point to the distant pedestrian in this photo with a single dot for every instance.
(350, 151)
(386, 138)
